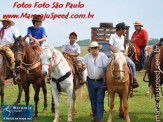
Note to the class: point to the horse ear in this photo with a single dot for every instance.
(126, 52)
(24, 38)
(113, 54)
(51, 49)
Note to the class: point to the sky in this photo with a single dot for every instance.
(149, 12)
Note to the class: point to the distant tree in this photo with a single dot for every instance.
(153, 41)
(84, 42)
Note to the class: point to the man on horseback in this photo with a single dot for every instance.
(140, 40)
(36, 33)
(95, 61)
(116, 44)
(7, 33)
(72, 50)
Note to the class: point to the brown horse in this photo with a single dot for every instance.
(6, 74)
(28, 63)
(118, 81)
(156, 77)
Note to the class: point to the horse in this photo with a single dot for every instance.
(118, 81)
(61, 78)
(28, 64)
(5, 74)
(155, 76)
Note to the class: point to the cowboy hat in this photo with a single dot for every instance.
(95, 44)
(9, 20)
(138, 23)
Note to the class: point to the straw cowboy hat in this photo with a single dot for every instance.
(95, 44)
(138, 23)
(9, 20)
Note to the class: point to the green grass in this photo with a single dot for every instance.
(141, 107)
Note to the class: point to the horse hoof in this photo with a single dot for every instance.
(91, 114)
(147, 93)
(121, 114)
(44, 111)
(131, 95)
(105, 111)
(16, 103)
(56, 120)
(35, 118)
(0, 109)
(53, 111)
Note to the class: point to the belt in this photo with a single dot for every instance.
(95, 79)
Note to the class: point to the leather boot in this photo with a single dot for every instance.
(135, 84)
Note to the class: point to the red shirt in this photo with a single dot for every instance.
(140, 38)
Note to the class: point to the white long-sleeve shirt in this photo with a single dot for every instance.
(94, 68)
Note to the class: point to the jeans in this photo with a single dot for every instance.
(96, 94)
(142, 57)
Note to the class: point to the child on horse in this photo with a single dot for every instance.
(72, 49)
(116, 44)
(36, 33)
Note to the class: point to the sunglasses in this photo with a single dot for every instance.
(94, 47)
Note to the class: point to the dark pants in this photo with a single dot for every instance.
(96, 94)
(142, 57)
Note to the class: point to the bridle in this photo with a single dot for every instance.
(52, 68)
(114, 72)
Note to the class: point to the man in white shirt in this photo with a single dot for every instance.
(116, 44)
(95, 61)
(6, 37)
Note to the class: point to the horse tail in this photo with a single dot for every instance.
(81, 93)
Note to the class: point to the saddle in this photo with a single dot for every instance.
(73, 65)
(6, 51)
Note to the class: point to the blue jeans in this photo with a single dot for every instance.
(132, 66)
(96, 95)
(142, 57)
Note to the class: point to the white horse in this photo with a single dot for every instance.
(53, 61)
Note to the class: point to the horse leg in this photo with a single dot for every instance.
(20, 94)
(2, 95)
(69, 97)
(125, 106)
(36, 99)
(74, 103)
(44, 89)
(53, 104)
(26, 90)
(55, 94)
(121, 113)
(112, 96)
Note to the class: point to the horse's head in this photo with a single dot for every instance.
(19, 50)
(50, 59)
(118, 66)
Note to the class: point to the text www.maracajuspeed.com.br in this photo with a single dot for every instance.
(52, 16)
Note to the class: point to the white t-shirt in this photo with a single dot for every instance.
(74, 49)
(8, 35)
(117, 42)
(94, 68)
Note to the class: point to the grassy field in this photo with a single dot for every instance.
(141, 107)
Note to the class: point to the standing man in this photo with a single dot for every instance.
(6, 39)
(140, 39)
(95, 61)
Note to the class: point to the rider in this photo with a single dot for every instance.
(6, 39)
(36, 33)
(72, 49)
(140, 39)
(116, 44)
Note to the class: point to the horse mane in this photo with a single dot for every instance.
(120, 57)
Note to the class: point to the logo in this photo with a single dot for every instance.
(17, 112)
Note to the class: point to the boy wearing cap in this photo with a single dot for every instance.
(140, 39)
(116, 44)
(36, 33)
(95, 61)
(6, 39)
(72, 49)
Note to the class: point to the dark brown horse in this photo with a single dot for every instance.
(28, 63)
(156, 77)
(6, 74)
